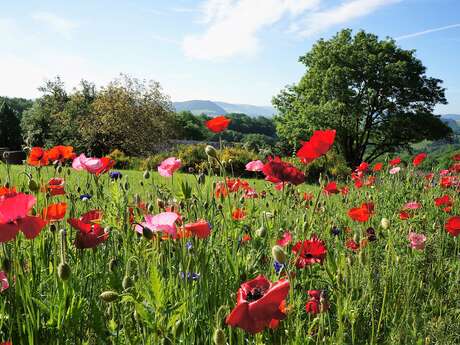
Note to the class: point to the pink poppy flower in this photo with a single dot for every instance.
(255, 166)
(395, 170)
(169, 166)
(92, 165)
(163, 222)
(285, 240)
(444, 172)
(417, 241)
(412, 205)
(3, 281)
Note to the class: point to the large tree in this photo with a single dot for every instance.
(375, 94)
(10, 130)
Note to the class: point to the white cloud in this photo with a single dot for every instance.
(421, 33)
(233, 25)
(62, 26)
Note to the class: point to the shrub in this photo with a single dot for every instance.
(122, 161)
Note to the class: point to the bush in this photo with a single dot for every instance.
(234, 159)
(122, 161)
(152, 162)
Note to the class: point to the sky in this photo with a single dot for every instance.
(239, 51)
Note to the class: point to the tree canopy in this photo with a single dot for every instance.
(375, 94)
(10, 130)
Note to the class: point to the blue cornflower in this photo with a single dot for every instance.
(115, 175)
(188, 245)
(85, 197)
(190, 275)
(278, 267)
(335, 231)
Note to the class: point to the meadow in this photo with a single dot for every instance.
(344, 261)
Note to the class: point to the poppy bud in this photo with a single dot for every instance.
(278, 254)
(219, 337)
(126, 283)
(109, 296)
(126, 185)
(178, 328)
(112, 264)
(59, 169)
(6, 265)
(160, 204)
(33, 186)
(146, 174)
(261, 232)
(53, 228)
(150, 208)
(147, 233)
(69, 172)
(201, 178)
(385, 223)
(64, 271)
(211, 151)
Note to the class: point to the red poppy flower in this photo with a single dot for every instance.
(318, 145)
(60, 153)
(344, 190)
(331, 188)
(352, 245)
(107, 164)
(308, 196)
(456, 157)
(5, 191)
(90, 233)
(377, 167)
(55, 212)
(362, 213)
(309, 252)
(218, 124)
(453, 226)
(55, 186)
(448, 181)
(238, 214)
(362, 167)
(221, 190)
(455, 168)
(37, 157)
(279, 171)
(395, 161)
(404, 215)
(419, 159)
(444, 200)
(200, 228)
(7, 343)
(285, 240)
(14, 217)
(259, 304)
(317, 303)
(429, 176)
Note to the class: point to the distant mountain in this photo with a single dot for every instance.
(455, 117)
(221, 108)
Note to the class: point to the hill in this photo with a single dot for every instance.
(212, 108)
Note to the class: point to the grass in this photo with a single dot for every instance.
(383, 293)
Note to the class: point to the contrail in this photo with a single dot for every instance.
(420, 33)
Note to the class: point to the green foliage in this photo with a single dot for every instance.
(122, 161)
(257, 142)
(375, 94)
(192, 156)
(10, 130)
(234, 159)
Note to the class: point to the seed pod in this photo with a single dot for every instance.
(69, 172)
(113, 264)
(127, 282)
(160, 204)
(126, 185)
(211, 151)
(146, 174)
(33, 186)
(178, 328)
(109, 296)
(64, 271)
(59, 169)
(201, 178)
(53, 228)
(150, 208)
(261, 232)
(219, 337)
(385, 223)
(278, 254)
(147, 233)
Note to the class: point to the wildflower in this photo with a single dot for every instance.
(190, 275)
(395, 170)
(169, 166)
(60, 153)
(362, 213)
(331, 188)
(419, 159)
(115, 175)
(285, 240)
(385, 223)
(404, 215)
(259, 304)
(199, 229)
(37, 157)
(362, 167)
(278, 171)
(238, 214)
(4, 284)
(95, 166)
(90, 233)
(412, 205)
(417, 241)
(55, 212)
(453, 226)
(377, 167)
(352, 245)
(55, 186)
(317, 302)
(218, 124)
(14, 217)
(309, 252)
(335, 231)
(319, 144)
(395, 161)
(255, 166)
(85, 197)
(444, 201)
(278, 266)
(164, 222)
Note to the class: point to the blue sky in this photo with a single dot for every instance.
(241, 51)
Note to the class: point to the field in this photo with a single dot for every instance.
(376, 285)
